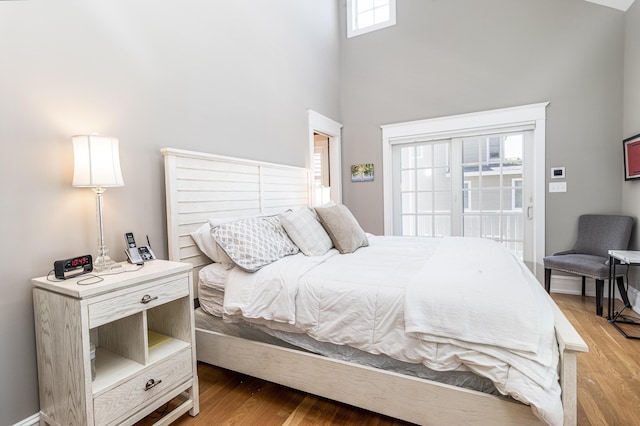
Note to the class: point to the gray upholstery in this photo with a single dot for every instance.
(597, 234)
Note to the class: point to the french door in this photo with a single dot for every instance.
(476, 185)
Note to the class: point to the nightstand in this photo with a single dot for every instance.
(624, 257)
(142, 325)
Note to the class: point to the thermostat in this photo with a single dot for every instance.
(557, 173)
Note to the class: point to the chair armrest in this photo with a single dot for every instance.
(560, 253)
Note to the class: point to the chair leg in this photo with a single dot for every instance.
(623, 291)
(599, 296)
(547, 279)
(583, 286)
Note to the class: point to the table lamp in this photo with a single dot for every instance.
(96, 164)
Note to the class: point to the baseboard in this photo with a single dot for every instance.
(567, 284)
(634, 298)
(29, 421)
(570, 284)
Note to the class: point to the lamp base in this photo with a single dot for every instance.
(104, 263)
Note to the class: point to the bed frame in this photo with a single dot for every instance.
(200, 186)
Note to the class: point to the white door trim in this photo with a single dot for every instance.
(321, 124)
(474, 123)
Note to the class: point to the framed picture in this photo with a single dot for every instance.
(631, 148)
(363, 173)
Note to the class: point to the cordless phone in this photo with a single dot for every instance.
(133, 254)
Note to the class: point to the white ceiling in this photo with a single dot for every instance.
(616, 4)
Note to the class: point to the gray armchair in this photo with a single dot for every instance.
(589, 257)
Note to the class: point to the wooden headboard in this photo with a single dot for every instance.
(200, 186)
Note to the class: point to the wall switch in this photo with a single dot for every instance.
(558, 187)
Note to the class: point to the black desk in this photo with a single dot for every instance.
(621, 257)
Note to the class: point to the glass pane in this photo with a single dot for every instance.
(471, 226)
(470, 151)
(441, 179)
(473, 196)
(408, 225)
(408, 180)
(425, 226)
(507, 196)
(442, 226)
(442, 202)
(408, 203)
(470, 173)
(365, 19)
(490, 200)
(424, 156)
(363, 5)
(381, 14)
(407, 158)
(491, 227)
(513, 227)
(466, 200)
(425, 179)
(493, 146)
(441, 154)
(425, 202)
(513, 149)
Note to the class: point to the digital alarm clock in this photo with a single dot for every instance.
(73, 267)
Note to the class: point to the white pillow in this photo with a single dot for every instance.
(215, 275)
(205, 242)
(306, 232)
(254, 242)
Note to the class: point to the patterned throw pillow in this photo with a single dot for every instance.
(254, 242)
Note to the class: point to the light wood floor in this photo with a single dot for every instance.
(608, 386)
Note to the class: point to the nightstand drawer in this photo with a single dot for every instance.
(134, 394)
(136, 300)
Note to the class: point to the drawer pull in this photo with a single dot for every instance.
(151, 383)
(146, 298)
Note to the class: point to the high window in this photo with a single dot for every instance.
(364, 16)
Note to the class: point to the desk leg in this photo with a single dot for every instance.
(612, 275)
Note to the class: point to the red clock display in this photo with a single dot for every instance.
(79, 261)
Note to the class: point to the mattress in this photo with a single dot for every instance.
(209, 316)
(298, 341)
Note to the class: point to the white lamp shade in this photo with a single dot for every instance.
(96, 161)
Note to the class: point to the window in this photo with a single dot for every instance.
(516, 194)
(364, 16)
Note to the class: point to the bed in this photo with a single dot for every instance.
(202, 186)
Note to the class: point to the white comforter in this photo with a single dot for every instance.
(450, 304)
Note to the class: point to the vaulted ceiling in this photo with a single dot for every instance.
(616, 4)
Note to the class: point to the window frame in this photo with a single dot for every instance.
(352, 31)
(531, 116)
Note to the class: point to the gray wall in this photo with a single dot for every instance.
(457, 56)
(631, 122)
(236, 77)
(228, 77)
